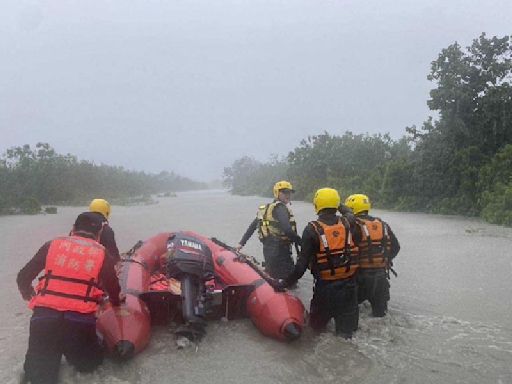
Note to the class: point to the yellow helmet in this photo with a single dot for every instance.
(358, 203)
(326, 198)
(283, 184)
(101, 206)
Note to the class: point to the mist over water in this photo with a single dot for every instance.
(449, 318)
(224, 79)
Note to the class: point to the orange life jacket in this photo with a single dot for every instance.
(337, 256)
(375, 244)
(70, 282)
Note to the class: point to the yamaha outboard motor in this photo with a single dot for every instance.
(190, 261)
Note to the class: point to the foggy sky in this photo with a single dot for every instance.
(191, 86)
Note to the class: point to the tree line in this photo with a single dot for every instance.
(30, 177)
(458, 163)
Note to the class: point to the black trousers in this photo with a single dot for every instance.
(278, 257)
(53, 334)
(374, 287)
(338, 300)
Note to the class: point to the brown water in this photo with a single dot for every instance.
(450, 317)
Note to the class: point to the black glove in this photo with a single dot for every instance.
(121, 299)
(28, 294)
(298, 240)
(279, 285)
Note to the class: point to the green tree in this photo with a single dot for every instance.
(30, 177)
(473, 98)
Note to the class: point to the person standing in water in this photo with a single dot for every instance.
(329, 251)
(76, 271)
(277, 230)
(377, 249)
(102, 208)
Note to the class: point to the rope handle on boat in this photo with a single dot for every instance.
(250, 261)
(131, 252)
(127, 256)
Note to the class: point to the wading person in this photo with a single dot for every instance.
(277, 230)
(102, 208)
(76, 270)
(377, 248)
(329, 251)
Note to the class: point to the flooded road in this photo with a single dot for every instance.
(450, 318)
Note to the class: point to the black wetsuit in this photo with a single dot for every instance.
(276, 251)
(373, 282)
(331, 298)
(108, 239)
(55, 333)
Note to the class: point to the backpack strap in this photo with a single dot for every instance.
(347, 253)
(320, 230)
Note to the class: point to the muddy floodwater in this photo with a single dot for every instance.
(450, 318)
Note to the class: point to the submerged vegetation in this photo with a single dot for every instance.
(459, 163)
(30, 178)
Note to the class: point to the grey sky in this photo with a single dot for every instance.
(191, 86)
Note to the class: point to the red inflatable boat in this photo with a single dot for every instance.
(240, 289)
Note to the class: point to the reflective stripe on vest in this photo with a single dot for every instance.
(375, 244)
(70, 282)
(269, 226)
(336, 258)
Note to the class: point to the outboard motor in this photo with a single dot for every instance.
(190, 261)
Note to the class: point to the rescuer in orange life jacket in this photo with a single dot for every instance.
(329, 251)
(277, 230)
(377, 248)
(102, 208)
(76, 270)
